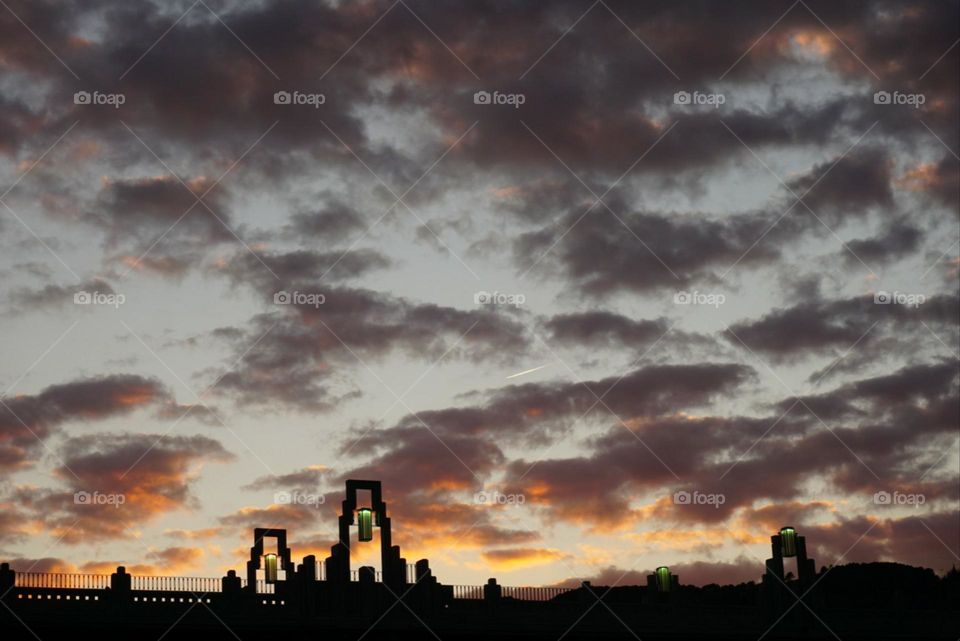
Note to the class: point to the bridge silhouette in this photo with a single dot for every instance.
(277, 598)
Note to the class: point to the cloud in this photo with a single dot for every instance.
(335, 222)
(642, 251)
(897, 240)
(53, 296)
(741, 570)
(201, 534)
(176, 560)
(273, 516)
(601, 328)
(45, 564)
(835, 326)
(117, 483)
(27, 420)
(515, 558)
(297, 349)
(847, 186)
(311, 476)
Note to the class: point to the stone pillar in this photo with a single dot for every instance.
(422, 571)
(8, 578)
(367, 575)
(231, 584)
(308, 569)
(120, 581)
(492, 594)
(492, 591)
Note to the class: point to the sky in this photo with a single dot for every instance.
(591, 287)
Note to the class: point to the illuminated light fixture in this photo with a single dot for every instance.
(663, 578)
(270, 568)
(788, 541)
(365, 524)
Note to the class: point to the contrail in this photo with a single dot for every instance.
(526, 371)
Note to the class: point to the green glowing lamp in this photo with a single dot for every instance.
(270, 568)
(788, 541)
(663, 578)
(365, 524)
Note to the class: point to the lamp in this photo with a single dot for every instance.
(788, 541)
(663, 578)
(270, 568)
(365, 524)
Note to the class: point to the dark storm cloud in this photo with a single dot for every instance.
(27, 420)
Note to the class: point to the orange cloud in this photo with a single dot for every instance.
(516, 558)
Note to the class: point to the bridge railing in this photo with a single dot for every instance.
(467, 591)
(509, 592)
(175, 583)
(65, 581)
(201, 585)
(532, 593)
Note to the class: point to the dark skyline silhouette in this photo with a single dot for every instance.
(282, 597)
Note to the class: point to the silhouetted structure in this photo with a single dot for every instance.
(662, 586)
(280, 600)
(787, 603)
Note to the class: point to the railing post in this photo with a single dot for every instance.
(492, 593)
(120, 584)
(230, 584)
